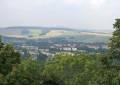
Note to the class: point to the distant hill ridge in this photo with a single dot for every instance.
(38, 27)
(35, 32)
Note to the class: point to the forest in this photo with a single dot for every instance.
(63, 69)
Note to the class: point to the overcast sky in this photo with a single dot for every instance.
(79, 14)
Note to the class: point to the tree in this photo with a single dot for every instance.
(0, 39)
(114, 46)
(1, 43)
(105, 77)
(71, 69)
(9, 58)
(27, 73)
(110, 73)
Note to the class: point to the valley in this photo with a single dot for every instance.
(45, 43)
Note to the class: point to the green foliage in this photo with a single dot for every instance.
(114, 45)
(71, 70)
(106, 76)
(0, 39)
(8, 59)
(27, 73)
(109, 74)
(115, 40)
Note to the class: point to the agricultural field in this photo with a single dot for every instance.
(47, 33)
(35, 32)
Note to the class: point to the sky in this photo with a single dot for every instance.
(77, 14)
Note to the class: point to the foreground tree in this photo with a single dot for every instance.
(9, 58)
(114, 46)
(110, 73)
(27, 73)
(71, 70)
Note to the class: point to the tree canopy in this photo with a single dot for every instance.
(114, 45)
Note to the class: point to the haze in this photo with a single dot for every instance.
(78, 14)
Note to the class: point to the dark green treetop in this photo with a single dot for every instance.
(114, 45)
(9, 58)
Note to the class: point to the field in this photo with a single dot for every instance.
(35, 32)
(47, 33)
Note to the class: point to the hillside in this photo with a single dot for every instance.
(48, 32)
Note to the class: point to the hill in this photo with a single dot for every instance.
(52, 32)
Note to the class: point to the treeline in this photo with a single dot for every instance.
(63, 69)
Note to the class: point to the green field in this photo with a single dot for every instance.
(74, 36)
(35, 32)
